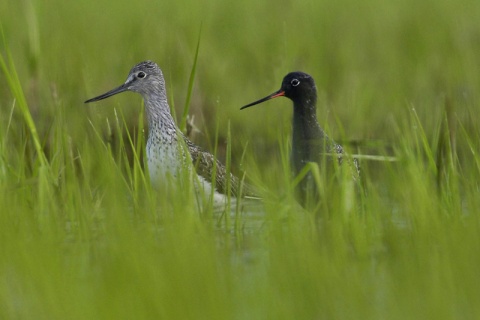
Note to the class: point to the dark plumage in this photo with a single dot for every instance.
(309, 142)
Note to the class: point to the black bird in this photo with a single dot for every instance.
(309, 142)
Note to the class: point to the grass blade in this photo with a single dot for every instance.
(186, 108)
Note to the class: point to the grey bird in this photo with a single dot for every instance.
(310, 143)
(166, 144)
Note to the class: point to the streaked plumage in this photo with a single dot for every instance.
(165, 144)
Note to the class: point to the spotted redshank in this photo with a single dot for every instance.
(310, 143)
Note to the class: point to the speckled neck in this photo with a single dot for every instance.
(159, 118)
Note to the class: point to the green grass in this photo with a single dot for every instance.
(83, 236)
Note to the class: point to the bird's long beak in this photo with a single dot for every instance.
(279, 93)
(122, 88)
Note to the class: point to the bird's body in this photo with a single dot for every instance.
(169, 152)
(310, 143)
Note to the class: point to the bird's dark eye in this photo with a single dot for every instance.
(295, 82)
(141, 75)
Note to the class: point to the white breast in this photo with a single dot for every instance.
(163, 160)
(167, 159)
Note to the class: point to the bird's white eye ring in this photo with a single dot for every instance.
(141, 75)
(295, 82)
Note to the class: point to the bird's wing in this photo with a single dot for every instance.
(206, 165)
(351, 162)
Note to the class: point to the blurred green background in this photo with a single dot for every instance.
(372, 61)
(80, 239)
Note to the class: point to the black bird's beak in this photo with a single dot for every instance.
(279, 93)
(122, 88)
